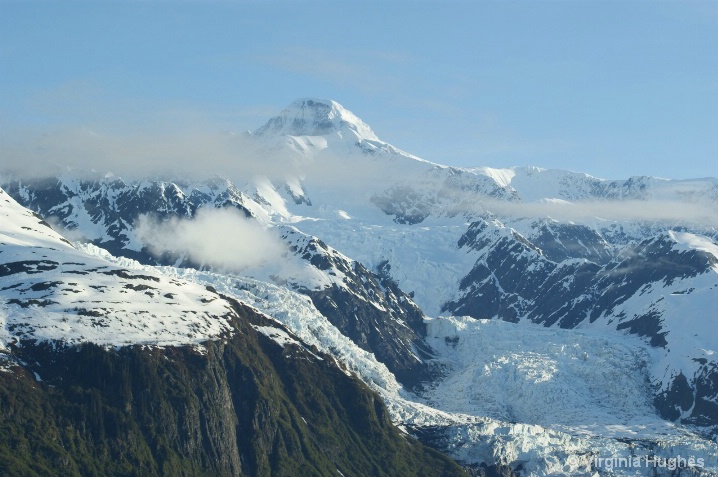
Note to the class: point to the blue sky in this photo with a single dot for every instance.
(611, 88)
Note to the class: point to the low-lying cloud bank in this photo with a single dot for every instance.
(201, 154)
(219, 238)
(136, 155)
(650, 210)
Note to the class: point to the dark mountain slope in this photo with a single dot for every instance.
(247, 406)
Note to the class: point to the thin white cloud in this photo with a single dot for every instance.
(194, 154)
(673, 212)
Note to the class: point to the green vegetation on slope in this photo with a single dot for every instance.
(245, 407)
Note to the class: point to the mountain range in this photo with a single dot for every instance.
(522, 321)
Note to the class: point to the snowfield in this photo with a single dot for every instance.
(51, 291)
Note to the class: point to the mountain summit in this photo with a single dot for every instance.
(315, 117)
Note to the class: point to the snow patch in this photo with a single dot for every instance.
(697, 242)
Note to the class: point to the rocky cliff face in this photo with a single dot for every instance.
(370, 310)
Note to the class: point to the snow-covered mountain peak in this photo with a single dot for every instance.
(315, 117)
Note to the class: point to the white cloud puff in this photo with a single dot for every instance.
(220, 238)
